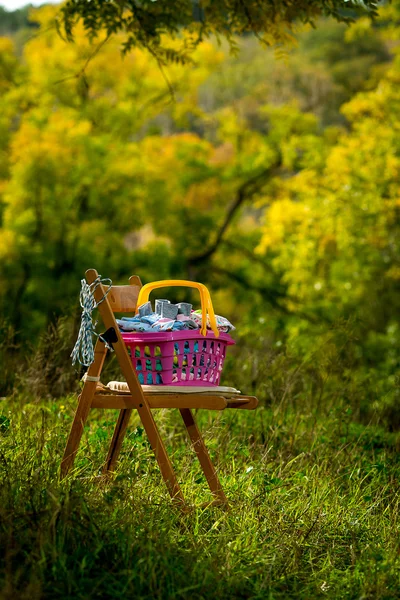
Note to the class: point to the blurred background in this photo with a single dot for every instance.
(270, 176)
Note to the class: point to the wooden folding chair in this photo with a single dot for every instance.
(124, 299)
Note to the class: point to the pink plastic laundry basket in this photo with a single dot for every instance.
(178, 357)
(190, 358)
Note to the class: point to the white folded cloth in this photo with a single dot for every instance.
(122, 386)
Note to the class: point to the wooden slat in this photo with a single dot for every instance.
(135, 280)
(122, 401)
(176, 401)
(244, 402)
(116, 442)
(123, 298)
(125, 414)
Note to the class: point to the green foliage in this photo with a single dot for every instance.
(146, 24)
(12, 21)
(314, 509)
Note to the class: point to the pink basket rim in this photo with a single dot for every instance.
(172, 336)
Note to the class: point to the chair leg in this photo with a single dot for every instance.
(149, 424)
(81, 415)
(166, 468)
(203, 456)
(82, 412)
(116, 442)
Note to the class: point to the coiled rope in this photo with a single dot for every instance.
(83, 351)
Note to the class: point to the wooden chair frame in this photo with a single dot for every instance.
(124, 299)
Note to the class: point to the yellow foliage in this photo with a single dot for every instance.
(203, 195)
(55, 141)
(8, 64)
(282, 218)
(357, 29)
(6, 46)
(393, 273)
(7, 244)
(222, 154)
(231, 126)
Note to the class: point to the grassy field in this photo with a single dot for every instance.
(314, 509)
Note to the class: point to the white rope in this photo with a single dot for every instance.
(83, 351)
(87, 377)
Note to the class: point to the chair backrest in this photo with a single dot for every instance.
(123, 298)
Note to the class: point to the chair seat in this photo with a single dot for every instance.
(116, 394)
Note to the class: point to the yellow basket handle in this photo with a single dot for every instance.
(206, 304)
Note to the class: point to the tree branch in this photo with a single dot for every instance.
(247, 252)
(81, 72)
(245, 191)
(271, 295)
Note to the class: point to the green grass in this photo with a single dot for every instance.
(314, 509)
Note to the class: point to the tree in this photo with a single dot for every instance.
(98, 164)
(151, 24)
(331, 235)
